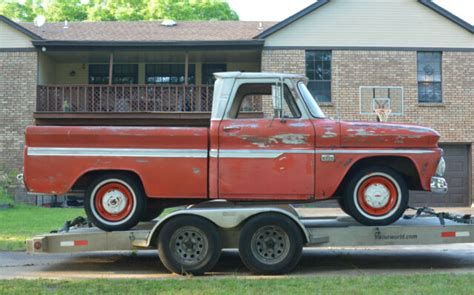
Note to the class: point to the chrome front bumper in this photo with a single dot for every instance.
(438, 185)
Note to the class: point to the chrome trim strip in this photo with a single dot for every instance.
(269, 154)
(392, 151)
(117, 152)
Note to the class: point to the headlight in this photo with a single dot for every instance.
(441, 167)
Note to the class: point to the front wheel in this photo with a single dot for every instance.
(115, 202)
(376, 196)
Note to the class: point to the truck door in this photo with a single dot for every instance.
(265, 153)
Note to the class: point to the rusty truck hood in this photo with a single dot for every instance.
(375, 134)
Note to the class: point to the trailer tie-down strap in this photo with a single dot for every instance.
(76, 222)
(442, 216)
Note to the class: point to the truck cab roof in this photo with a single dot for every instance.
(254, 75)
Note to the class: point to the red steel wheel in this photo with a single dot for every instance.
(377, 195)
(114, 201)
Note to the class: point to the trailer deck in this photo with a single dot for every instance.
(318, 232)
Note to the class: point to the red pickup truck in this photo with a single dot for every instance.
(290, 152)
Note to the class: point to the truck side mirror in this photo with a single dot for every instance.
(277, 98)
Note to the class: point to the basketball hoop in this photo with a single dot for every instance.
(382, 114)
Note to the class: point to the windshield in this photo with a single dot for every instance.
(310, 101)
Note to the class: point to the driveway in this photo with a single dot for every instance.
(315, 262)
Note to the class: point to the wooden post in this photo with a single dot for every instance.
(186, 68)
(111, 67)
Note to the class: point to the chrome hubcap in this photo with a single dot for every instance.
(189, 245)
(270, 244)
(377, 195)
(114, 202)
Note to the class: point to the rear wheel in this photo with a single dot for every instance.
(376, 196)
(189, 245)
(115, 202)
(270, 244)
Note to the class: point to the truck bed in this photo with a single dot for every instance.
(56, 158)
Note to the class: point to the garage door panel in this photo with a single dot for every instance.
(457, 175)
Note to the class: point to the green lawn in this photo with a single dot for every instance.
(22, 222)
(413, 284)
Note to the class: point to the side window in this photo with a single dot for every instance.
(254, 101)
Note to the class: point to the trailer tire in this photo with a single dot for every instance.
(115, 202)
(270, 244)
(152, 211)
(189, 244)
(376, 196)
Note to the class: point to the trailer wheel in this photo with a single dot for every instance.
(152, 211)
(189, 245)
(270, 244)
(376, 196)
(115, 202)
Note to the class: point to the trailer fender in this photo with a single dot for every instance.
(226, 218)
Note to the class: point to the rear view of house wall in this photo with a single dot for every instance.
(18, 72)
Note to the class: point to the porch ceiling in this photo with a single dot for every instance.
(142, 56)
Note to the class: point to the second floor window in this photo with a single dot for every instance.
(169, 74)
(318, 70)
(121, 74)
(429, 77)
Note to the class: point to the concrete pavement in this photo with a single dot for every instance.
(315, 262)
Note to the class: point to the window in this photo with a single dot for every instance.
(318, 70)
(254, 100)
(169, 73)
(121, 74)
(429, 77)
(208, 71)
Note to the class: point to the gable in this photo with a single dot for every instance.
(372, 23)
(12, 38)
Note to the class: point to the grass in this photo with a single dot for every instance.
(22, 222)
(413, 284)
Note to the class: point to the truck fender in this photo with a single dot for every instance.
(226, 218)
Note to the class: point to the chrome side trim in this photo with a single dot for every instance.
(269, 154)
(117, 152)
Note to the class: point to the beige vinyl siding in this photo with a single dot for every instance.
(11, 38)
(387, 23)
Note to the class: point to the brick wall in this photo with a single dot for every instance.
(454, 118)
(17, 104)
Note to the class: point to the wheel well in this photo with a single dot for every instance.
(402, 165)
(83, 181)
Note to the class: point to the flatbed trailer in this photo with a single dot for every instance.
(270, 239)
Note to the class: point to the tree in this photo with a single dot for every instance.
(102, 10)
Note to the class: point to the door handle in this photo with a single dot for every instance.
(229, 128)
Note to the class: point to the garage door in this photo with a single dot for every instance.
(457, 175)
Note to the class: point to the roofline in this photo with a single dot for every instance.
(314, 6)
(255, 43)
(460, 22)
(292, 19)
(20, 28)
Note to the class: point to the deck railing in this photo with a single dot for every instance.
(124, 98)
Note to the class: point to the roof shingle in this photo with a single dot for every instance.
(123, 31)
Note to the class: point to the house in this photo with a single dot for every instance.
(412, 54)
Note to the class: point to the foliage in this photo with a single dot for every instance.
(108, 10)
(364, 284)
